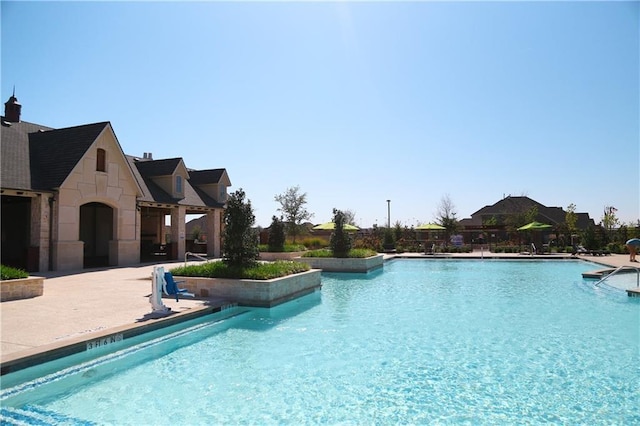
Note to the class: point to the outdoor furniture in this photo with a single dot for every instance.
(170, 287)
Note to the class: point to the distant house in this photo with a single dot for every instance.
(72, 199)
(494, 219)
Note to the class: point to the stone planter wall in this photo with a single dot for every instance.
(261, 293)
(272, 255)
(23, 288)
(334, 264)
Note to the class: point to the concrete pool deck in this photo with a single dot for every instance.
(81, 306)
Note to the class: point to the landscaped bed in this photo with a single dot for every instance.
(16, 284)
(357, 260)
(260, 284)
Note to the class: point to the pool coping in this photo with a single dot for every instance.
(47, 352)
(38, 355)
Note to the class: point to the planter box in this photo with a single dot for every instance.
(334, 264)
(261, 293)
(273, 255)
(23, 288)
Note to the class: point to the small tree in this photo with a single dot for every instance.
(196, 232)
(571, 219)
(446, 217)
(292, 207)
(276, 235)
(349, 217)
(389, 242)
(240, 240)
(340, 241)
(609, 221)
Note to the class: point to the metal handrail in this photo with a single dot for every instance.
(618, 269)
(188, 253)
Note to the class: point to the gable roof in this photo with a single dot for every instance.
(514, 205)
(151, 168)
(36, 157)
(211, 176)
(50, 163)
(152, 192)
(16, 165)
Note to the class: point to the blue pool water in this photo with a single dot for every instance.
(420, 342)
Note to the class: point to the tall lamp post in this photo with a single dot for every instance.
(389, 214)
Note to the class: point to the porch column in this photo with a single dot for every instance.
(178, 217)
(214, 235)
(39, 240)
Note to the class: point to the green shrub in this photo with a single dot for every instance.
(255, 271)
(314, 243)
(240, 240)
(318, 253)
(353, 253)
(276, 235)
(388, 242)
(288, 248)
(616, 248)
(9, 273)
(340, 241)
(370, 242)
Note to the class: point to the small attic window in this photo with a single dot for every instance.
(101, 160)
(179, 184)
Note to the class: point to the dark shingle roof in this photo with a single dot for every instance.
(54, 153)
(15, 154)
(206, 198)
(515, 205)
(152, 192)
(202, 177)
(150, 168)
(36, 157)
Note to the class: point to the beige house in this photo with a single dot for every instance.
(72, 199)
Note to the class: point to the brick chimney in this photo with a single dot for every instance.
(12, 109)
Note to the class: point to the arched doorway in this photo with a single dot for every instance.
(96, 231)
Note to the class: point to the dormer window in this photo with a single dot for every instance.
(101, 160)
(179, 184)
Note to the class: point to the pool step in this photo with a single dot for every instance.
(633, 292)
(599, 273)
(35, 415)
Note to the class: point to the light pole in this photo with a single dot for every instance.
(389, 214)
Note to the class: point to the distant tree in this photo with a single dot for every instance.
(340, 241)
(196, 232)
(531, 215)
(349, 217)
(240, 240)
(517, 219)
(397, 230)
(446, 217)
(276, 235)
(389, 242)
(609, 221)
(571, 219)
(292, 206)
(490, 221)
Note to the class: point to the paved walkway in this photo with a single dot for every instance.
(81, 305)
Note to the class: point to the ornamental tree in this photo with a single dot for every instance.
(292, 206)
(276, 235)
(340, 241)
(240, 240)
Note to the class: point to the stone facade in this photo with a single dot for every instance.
(261, 293)
(23, 288)
(334, 264)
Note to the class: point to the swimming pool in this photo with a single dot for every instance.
(421, 341)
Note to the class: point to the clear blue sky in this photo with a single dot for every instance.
(355, 102)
